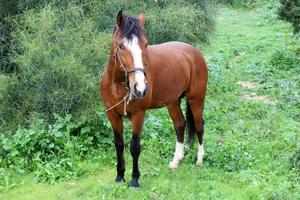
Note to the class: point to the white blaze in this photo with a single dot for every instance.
(179, 153)
(136, 52)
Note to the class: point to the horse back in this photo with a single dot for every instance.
(175, 68)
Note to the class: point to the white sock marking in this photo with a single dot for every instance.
(200, 154)
(178, 155)
(133, 46)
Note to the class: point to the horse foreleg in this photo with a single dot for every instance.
(137, 120)
(117, 126)
(179, 126)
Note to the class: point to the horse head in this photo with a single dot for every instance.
(130, 46)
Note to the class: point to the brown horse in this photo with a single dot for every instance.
(140, 77)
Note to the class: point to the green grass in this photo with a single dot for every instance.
(250, 145)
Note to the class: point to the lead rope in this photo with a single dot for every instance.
(125, 100)
(128, 97)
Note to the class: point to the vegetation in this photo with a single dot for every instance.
(53, 52)
(290, 11)
(252, 108)
(239, 3)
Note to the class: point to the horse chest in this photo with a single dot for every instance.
(113, 93)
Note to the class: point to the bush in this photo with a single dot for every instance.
(54, 50)
(53, 151)
(59, 56)
(188, 21)
(290, 11)
(189, 24)
(239, 3)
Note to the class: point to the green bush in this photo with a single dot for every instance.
(187, 21)
(59, 56)
(53, 151)
(54, 49)
(239, 3)
(290, 11)
(189, 24)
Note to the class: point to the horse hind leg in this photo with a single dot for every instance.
(179, 125)
(197, 106)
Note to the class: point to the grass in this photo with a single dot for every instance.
(250, 144)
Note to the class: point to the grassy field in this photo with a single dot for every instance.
(252, 132)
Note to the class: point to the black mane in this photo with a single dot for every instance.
(131, 27)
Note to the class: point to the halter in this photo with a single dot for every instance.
(129, 95)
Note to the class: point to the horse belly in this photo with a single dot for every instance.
(168, 88)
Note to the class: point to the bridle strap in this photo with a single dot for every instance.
(136, 69)
(128, 97)
(120, 60)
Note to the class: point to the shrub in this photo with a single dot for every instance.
(53, 151)
(59, 56)
(55, 49)
(290, 11)
(239, 3)
(190, 24)
(187, 21)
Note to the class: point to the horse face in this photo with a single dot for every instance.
(132, 51)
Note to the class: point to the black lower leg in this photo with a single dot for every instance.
(135, 152)
(180, 134)
(200, 133)
(119, 144)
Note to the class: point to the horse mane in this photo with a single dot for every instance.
(131, 27)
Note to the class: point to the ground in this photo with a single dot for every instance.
(249, 140)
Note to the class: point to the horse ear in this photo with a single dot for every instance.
(142, 19)
(120, 18)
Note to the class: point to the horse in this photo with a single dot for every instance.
(139, 76)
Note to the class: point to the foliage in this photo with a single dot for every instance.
(164, 19)
(251, 146)
(52, 51)
(59, 59)
(53, 152)
(290, 11)
(239, 3)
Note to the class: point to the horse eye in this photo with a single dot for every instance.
(146, 45)
(121, 46)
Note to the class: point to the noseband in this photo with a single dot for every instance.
(126, 72)
(129, 95)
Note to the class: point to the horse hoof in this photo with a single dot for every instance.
(199, 163)
(120, 179)
(134, 183)
(173, 165)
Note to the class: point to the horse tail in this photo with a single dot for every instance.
(190, 123)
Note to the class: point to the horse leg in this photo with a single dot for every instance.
(137, 120)
(179, 125)
(197, 106)
(117, 126)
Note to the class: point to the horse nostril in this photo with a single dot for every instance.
(146, 90)
(136, 91)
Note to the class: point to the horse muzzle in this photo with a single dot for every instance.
(140, 91)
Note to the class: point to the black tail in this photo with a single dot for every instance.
(190, 123)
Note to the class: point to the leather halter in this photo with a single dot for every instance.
(129, 95)
(129, 71)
